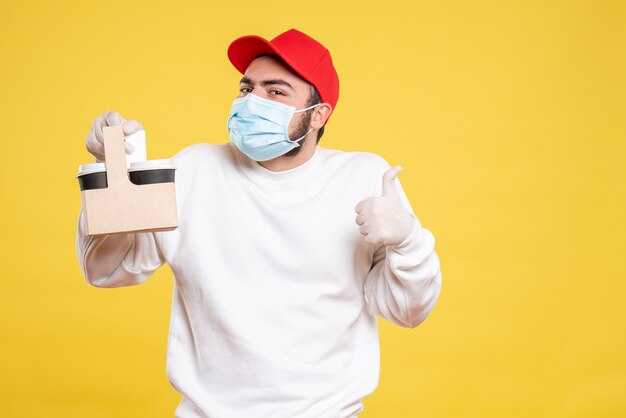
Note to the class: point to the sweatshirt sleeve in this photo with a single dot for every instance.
(118, 259)
(404, 282)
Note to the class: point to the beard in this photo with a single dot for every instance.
(301, 130)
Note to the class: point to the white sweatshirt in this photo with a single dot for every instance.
(276, 291)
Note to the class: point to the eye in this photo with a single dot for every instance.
(245, 90)
(277, 93)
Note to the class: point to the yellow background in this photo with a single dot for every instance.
(508, 118)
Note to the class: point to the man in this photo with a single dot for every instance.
(285, 254)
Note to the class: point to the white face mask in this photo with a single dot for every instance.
(260, 127)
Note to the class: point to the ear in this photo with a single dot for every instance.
(320, 115)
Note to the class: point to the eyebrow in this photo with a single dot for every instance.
(264, 83)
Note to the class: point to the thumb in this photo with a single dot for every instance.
(389, 189)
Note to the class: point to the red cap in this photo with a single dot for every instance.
(307, 57)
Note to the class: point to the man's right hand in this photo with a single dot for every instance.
(95, 139)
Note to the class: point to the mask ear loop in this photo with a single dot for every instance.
(307, 108)
(309, 131)
(297, 140)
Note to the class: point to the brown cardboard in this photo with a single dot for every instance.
(124, 206)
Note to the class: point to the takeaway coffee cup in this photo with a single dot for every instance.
(92, 176)
(152, 171)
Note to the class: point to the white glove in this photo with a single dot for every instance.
(95, 138)
(384, 219)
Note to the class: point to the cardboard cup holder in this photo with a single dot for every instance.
(120, 199)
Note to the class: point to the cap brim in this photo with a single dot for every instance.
(242, 51)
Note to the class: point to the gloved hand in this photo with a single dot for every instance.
(95, 138)
(384, 219)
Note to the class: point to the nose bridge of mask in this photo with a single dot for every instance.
(273, 104)
(255, 106)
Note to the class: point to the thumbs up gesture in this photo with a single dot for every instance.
(384, 219)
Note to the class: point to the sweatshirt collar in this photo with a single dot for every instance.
(255, 171)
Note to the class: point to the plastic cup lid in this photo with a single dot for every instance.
(90, 169)
(165, 164)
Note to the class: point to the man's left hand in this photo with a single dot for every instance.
(384, 219)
